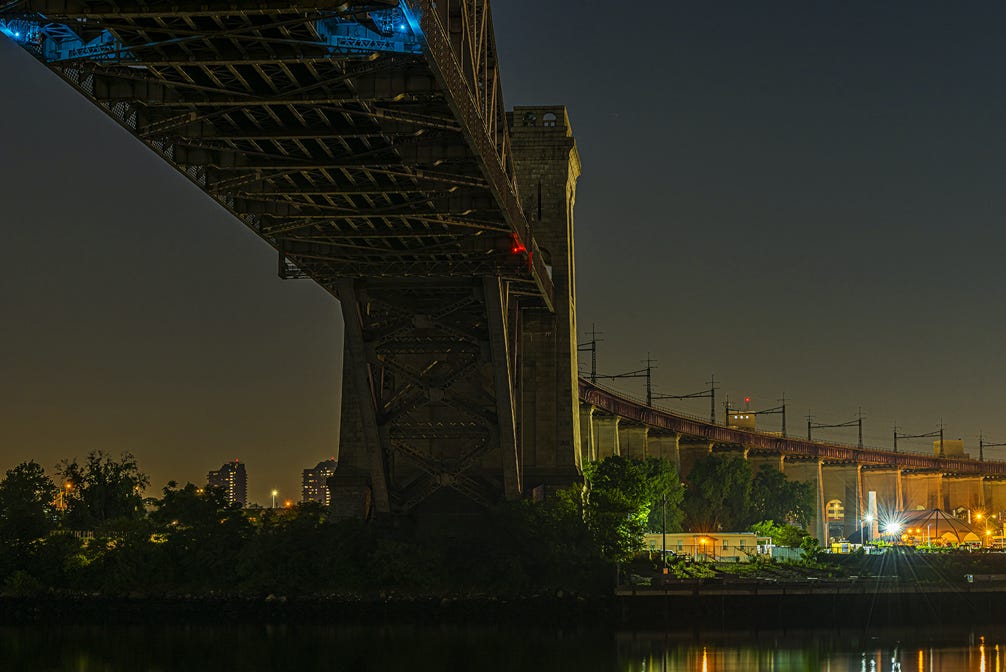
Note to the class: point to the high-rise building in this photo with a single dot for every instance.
(232, 479)
(315, 484)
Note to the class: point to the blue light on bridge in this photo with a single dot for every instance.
(386, 30)
(59, 42)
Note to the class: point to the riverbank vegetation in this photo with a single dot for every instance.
(90, 530)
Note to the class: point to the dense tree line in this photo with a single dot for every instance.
(190, 540)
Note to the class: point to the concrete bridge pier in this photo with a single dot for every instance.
(995, 498)
(759, 460)
(588, 445)
(691, 451)
(886, 482)
(632, 440)
(606, 435)
(840, 493)
(964, 492)
(922, 490)
(809, 471)
(665, 447)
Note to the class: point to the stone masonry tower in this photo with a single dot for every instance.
(547, 166)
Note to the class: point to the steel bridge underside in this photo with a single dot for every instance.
(367, 143)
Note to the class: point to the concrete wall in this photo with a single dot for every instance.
(922, 491)
(840, 483)
(632, 440)
(964, 492)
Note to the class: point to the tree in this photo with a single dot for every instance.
(26, 503)
(775, 497)
(668, 493)
(103, 489)
(782, 534)
(718, 494)
(621, 495)
(191, 507)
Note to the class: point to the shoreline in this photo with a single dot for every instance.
(725, 608)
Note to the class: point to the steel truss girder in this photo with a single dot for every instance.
(72, 9)
(370, 83)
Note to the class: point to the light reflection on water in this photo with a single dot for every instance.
(491, 649)
(948, 649)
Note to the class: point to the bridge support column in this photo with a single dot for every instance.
(665, 447)
(360, 474)
(691, 451)
(809, 471)
(776, 462)
(840, 487)
(606, 435)
(995, 499)
(632, 441)
(965, 492)
(547, 165)
(588, 445)
(921, 491)
(886, 483)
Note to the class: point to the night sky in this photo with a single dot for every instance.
(802, 198)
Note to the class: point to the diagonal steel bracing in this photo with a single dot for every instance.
(423, 358)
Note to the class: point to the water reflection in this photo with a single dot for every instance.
(946, 649)
(492, 649)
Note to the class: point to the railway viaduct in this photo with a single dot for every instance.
(615, 424)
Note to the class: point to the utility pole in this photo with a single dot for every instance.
(649, 383)
(712, 398)
(859, 417)
(592, 346)
(783, 407)
(982, 446)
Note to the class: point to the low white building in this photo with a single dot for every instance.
(714, 547)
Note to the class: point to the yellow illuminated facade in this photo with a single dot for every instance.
(719, 547)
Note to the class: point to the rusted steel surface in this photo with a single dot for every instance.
(613, 403)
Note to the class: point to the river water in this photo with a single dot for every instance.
(490, 649)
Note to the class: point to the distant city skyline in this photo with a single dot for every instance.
(804, 200)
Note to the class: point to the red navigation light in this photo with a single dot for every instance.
(517, 247)
(747, 400)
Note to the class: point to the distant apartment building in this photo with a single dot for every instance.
(314, 487)
(232, 479)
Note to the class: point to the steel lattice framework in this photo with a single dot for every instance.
(366, 141)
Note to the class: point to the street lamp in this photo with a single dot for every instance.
(62, 497)
(274, 493)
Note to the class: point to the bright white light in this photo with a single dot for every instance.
(892, 528)
(869, 518)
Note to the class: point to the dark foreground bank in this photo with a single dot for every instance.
(715, 607)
